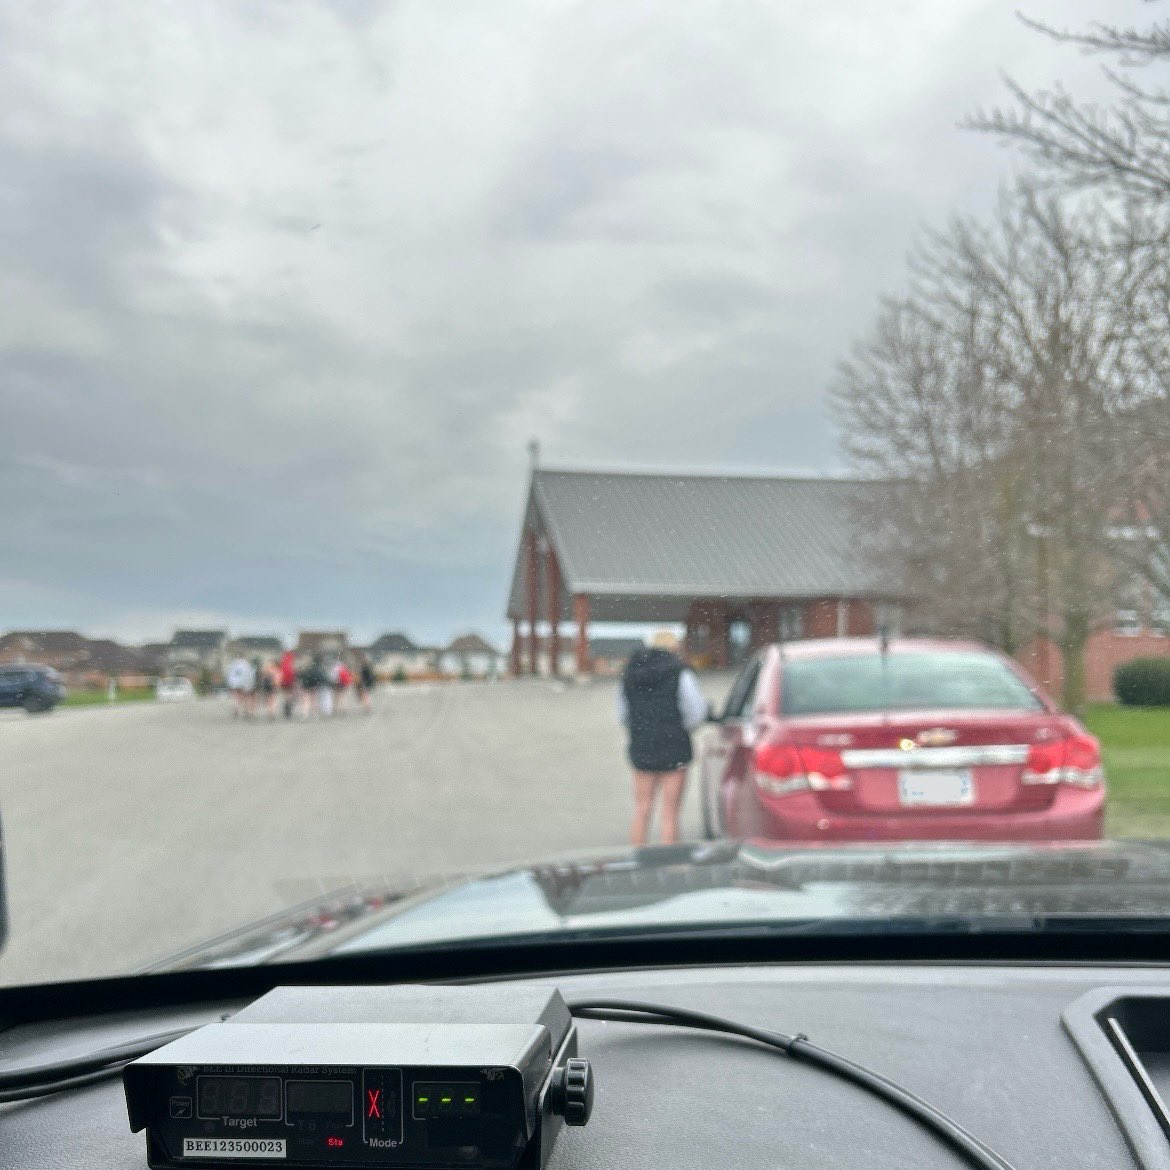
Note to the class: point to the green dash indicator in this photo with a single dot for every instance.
(445, 1099)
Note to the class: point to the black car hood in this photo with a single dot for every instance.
(922, 886)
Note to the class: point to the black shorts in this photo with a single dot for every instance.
(661, 753)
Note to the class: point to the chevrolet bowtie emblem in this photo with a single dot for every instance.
(937, 737)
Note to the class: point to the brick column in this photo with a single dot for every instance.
(531, 588)
(553, 588)
(581, 617)
(517, 637)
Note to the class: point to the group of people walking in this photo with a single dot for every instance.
(315, 687)
(659, 703)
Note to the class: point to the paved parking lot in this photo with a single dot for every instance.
(134, 831)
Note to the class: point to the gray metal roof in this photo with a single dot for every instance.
(198, 639)
(258, 642)
(393, 643)
(684, 536)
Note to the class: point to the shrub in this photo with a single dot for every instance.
(399, 675)
(1143, 682)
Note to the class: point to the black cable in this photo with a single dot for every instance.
(799, 1047)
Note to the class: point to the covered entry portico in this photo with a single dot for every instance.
(739, 561)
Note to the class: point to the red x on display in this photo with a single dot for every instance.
(374, 1103)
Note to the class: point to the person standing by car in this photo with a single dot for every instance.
(660, 704)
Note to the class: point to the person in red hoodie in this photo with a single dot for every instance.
(288, 682)
(342, 678)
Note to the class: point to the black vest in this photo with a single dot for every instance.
(658, 740)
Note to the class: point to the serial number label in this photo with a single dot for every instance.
(234, 1147)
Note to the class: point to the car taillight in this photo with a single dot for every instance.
(781, 769)
(1076, 761)
(1082, 762)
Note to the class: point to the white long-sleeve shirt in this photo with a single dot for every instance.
(240, 675)
(692, 707)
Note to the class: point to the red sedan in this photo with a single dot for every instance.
(840, 740)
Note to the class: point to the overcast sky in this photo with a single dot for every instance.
(285, 288)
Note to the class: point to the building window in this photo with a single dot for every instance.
(1127, 620)
(739, 639)
(1160, 618)
(791, 623)
(1127, 623)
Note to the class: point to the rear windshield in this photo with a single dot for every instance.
(871, 682)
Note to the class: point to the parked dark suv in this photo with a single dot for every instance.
(35, 688)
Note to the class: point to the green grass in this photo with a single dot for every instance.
(97, 698)
(1135, 744)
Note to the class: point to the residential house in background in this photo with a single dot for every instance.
(266, 648)
(395, 654)
(566, 656)
(81, 661)
(1139, 627)
(128, 666)
(193, 652)
(154, 655)
(321, 643)
(472, 656)
(63, 650)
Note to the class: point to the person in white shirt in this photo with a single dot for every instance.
(240, 678)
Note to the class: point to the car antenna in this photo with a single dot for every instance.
(884, 650)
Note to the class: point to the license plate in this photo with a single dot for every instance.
(936, 786)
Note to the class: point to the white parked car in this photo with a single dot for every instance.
(173, 690)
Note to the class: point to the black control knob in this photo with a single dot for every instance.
(572, 1091)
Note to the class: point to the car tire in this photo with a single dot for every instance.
(37, 707)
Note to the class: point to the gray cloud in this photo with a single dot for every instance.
(288, 286)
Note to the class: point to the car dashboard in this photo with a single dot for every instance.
(1009, 1051)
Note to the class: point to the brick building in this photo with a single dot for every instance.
(64, 650)
(740, 561)
(81, 661)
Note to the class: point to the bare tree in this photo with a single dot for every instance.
(914, 416)
(1143, 530)
(993, 396)
(1124, 148)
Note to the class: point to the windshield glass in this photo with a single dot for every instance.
(491, 470)
(876, 682)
